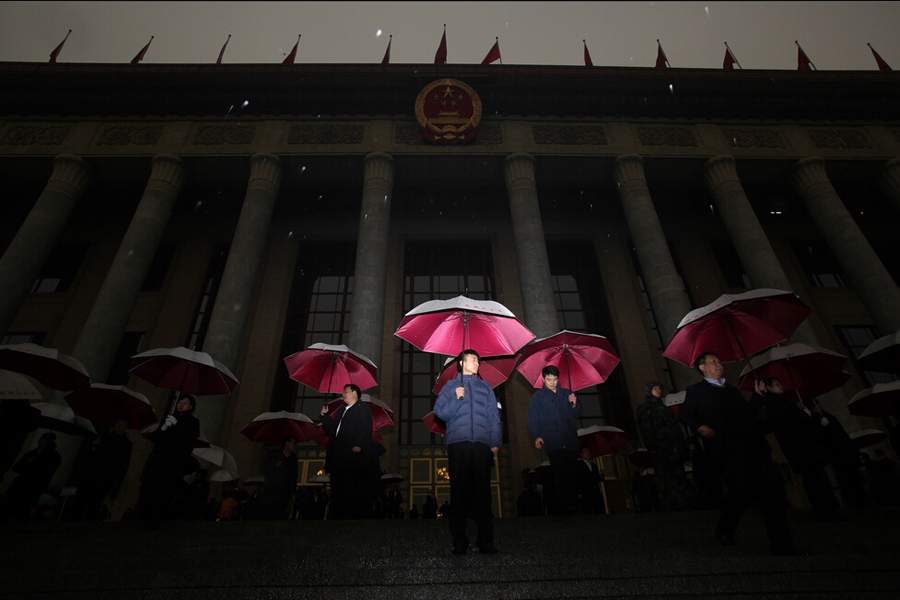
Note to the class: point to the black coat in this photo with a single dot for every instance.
(355, 430)
(172, 447)
(794, 430)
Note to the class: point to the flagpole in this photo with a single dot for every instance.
(498, 49)
(730, 51)
(806, 55)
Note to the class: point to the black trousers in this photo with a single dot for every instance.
(564, 464)
(349, 494)
(756, 476)
(470, 492)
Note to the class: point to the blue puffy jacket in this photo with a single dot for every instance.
(475, 417)
(550, 417)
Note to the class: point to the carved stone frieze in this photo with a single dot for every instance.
(569, 135)
(213, 135)
(130, 135)
(487, 134)
(407, 133)
(37, 135)
(322, 133)
(839, 138)
(666, 136)
(754, 137)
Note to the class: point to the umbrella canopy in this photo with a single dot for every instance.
(321, 478)
(223, 475)
(58, 417)
(272, 427)
(435, 424)
(255, 481)
(494, 369)
(183, 370)
(217, 456)
(882, 355)
(392, 478)
(881, 400)
(867, 437)
(674, 401)
(49, 366)
(382, 415)
(808, 370)
(15, 386)
(461, 323)
(328, 368)
(737, 326)
(105, 404)
(583, 359)
(602, 439)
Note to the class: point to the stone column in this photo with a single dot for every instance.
(102, 333)
(872, 281)
(531, 249)
(747, 235)
(367, 315)
(21, 263)
(229, 315)
(667, 296)
(889, 178)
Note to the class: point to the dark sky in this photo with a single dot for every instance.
(761, 34)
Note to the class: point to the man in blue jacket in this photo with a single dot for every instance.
(469, 407)
(550, 420)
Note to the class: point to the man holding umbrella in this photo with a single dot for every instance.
(347, 456)
(469, 407)
(723, 419)
(550, 420)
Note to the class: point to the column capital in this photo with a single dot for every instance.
(889, 177)
(70, 176)
(518, 169)
(809, 177)
(166, 174)
(629, 173)
(378, 171)
(720, 175)
(265, 173)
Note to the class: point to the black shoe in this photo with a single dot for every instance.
(487, 549)
(726, 539)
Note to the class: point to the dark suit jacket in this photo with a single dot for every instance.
(355, 430)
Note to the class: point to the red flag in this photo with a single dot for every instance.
(387, 53)
(493, 54)
(587, 56)
(440, 57)
(662, 62)
(57, 50)
(803, 62)
(290, 57)
(140, 55)
(730, 60)
(222, 51)
(882, 66)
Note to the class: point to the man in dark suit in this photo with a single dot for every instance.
(588, 479)
(721, 416)
(347, 456)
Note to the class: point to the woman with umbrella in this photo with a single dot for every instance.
(169, 462)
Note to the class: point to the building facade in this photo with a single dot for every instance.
(250, 211)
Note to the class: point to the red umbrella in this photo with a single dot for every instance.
(808, 370)
(674, 401)
(382, 415)
(106, 404)
(14, 386)
(183, 370)
(328, 368)
(495, 370)
(583, 359)
(451, 326)
(238, 493)
(882, 355)
(867, 437)
(735, 327)
(435, 424)
(881, 400)
(602, 440)
(48, 366)
(272, 427)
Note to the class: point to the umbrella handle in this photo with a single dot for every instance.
(740, 346)
(568, 373)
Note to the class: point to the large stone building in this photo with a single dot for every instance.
(251, 210)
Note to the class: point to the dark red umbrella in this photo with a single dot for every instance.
(674, 401)
(435, 425)
(735, 327)
(382, 415)
(583, 359)
(272, 427)
(881, 400)
(48, 366)
(494, 369)
(602, 439)
(451, 326)
(328, 368)
(882, 355)
(238, 493)
(106, 404)
(183, 370)
(15, 386)
(806, 370)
